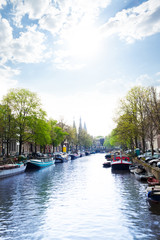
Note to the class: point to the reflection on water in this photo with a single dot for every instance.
(76, 200)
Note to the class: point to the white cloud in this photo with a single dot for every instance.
(135, 23)
(7, 80)
(53, 21)
(55, 14)
(144, 80)
(29, 47)
(147, 80)
(73, 23)
(34, 9)
(3, 3)
(158, 74)
(5, 33)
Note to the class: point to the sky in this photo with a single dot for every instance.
(80, 56)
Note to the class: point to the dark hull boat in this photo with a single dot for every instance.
(107, 164)
(74, 156)
(121, 163)
(154, 198)
(61, 157)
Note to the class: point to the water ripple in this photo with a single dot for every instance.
(75, 200)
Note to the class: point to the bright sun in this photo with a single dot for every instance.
(83, 41)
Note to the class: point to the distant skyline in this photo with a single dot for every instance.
(80, 56)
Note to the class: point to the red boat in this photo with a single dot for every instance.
(121, 163)
(153, 181)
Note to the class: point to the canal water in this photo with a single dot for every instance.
(77, 200)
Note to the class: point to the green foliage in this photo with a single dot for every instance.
(133, 121)
(22, 119)
(40, 132)
(25, 108)
(56, 133)
(84, 139)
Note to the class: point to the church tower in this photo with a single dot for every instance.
(85, 128)
(74, 124)
(80, 125)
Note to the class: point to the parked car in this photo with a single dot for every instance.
(154, 162)
(144, 155)
(156, 155)
(147, 159)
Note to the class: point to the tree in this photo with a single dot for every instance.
(84, 139)
(57, 134)
(40, 132)
(71, 138)
(107, 141)
(8, 126)
(133, 108)
(24, 106)
(152, 108)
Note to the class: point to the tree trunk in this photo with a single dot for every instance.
(35, 147)
(20, 147)
(144, 146)
(152, 148)
(53, 147)
(7, 147)
(136, 142)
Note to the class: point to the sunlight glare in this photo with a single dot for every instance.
(84, 41)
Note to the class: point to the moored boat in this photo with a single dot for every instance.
(152, 181)
(82, 154)
(136, 168)
(40, 163)
(142, 175)
(74, 156)
(121, 163)
(8, 170)
(87, 153)
(108, 156)
(153, 198)
(61, 157)
(107, 164)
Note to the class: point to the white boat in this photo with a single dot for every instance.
(151, 188)
(8, 170)
(136, 168)
(142, 176)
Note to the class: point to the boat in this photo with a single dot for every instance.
(107, 164)
(152, 181)
(40, 162)
(108, 156)
(153, 198)
(121, 163)
(142, 175)
(82, 154)
(11, 169)
(136, 168)
(74, 156)
(61, 157)
(87, 153)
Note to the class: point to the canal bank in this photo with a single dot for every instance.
(153, 170)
